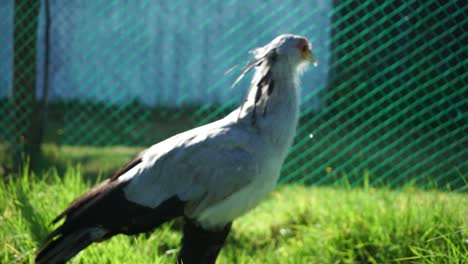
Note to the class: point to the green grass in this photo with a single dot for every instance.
(94, 161)
(295, 224)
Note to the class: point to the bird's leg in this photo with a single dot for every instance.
(201, 246)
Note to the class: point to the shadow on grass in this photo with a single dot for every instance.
(36, 221)
(96, 162)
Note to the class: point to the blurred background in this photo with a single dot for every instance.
(94, 82)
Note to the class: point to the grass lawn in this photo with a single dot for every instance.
(295, 224)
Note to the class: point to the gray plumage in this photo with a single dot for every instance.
(224, 168)
(211, 174)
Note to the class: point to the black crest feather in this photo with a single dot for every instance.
(264, 85)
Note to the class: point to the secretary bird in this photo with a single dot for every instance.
(209, 175)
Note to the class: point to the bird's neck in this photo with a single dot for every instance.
(276, 114)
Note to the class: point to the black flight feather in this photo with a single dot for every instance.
(106, 206)
(91, 195)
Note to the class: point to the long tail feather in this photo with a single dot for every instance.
(68, 245)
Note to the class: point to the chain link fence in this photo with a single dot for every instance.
(386, 107)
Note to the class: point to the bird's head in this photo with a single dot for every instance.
(287, 50)
(286, 54)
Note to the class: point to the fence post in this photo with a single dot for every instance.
(26, 141)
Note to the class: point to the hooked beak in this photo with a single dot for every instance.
(308, 55)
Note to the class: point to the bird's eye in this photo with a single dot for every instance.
(303, 46)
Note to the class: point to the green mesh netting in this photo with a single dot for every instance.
(387, 106)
